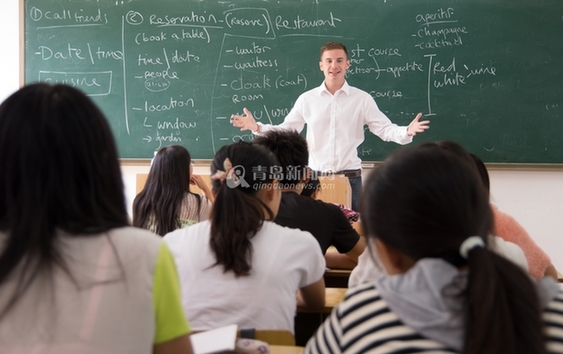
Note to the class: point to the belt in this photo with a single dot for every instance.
(346, 173)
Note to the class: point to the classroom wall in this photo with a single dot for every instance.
(534, 197)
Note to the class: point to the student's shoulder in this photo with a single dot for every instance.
(287, 233)
(133, 236)
(360, 294)
(131, 243)
(189, 234)
(315, 203)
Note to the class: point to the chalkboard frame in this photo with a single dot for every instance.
(133, 161)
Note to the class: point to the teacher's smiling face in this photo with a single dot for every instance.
(334, 64)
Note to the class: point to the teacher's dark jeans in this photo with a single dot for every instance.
(356, 185)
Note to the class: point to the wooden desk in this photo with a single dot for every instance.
(285, 349)
(337, 278)
(333, 296)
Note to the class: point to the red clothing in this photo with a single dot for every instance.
(509, 229)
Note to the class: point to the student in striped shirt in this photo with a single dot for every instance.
(427, 218)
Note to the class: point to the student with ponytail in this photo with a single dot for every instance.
(427, 217)
(240, 267)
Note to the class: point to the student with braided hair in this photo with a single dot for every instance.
(427, 217)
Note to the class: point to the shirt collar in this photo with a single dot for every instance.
(345, 88)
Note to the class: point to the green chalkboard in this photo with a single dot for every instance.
(487, 73)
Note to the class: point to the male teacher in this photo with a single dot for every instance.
(335, 114)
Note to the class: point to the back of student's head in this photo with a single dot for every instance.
(425, 202)
(482, 170)
(462, 153)
(312, 186)
(161, 199)
(291, 150)
(240, 172)
(59, 171)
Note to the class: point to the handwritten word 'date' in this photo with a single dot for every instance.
(240, 84)
(299, 23)
(47, 53)
(179, 58)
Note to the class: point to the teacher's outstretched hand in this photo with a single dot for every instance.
(245, 122)
(417, 126)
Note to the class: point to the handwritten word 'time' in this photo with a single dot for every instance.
(299, 23)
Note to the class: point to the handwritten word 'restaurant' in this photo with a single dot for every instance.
(299, 23)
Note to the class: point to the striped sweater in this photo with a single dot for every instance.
(364, 323)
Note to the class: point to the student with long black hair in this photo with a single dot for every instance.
(239, 266)
(427, 217)
(74, 276)
(166, 202)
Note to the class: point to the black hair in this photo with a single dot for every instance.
(60, 171)
(168, 182)
(291, 150)
(424, 202)
(237, 213)
(483, 173)
(312, 185)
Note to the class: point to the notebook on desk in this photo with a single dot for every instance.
(215, 340)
